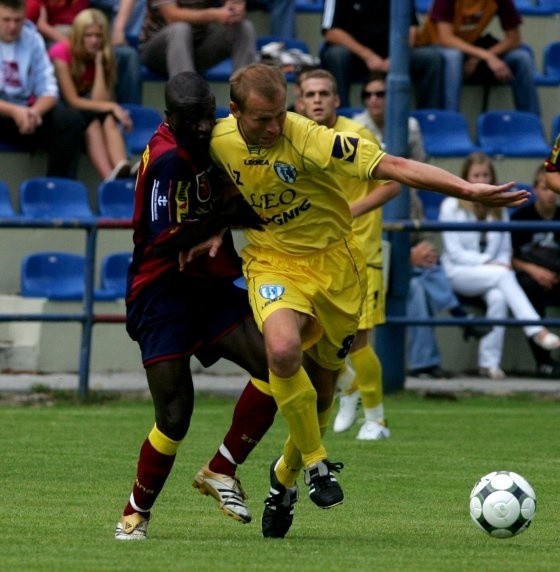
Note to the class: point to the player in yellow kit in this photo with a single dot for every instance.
(318, 100)
(306, 272)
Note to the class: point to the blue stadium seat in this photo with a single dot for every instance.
(422, 6)
(8, 148)
(146, 120)
(349, 111)
(310, 6)
(6, 208)
(115, 199)
(222, 111)
(547, 6)
(114, 268)
(431, 202)
(149, 75)
(56, 276)
(551, 60)
(546, 78)
(54, 197)
(537, 7)
(220, 72)
(444, 133)
(512, 134)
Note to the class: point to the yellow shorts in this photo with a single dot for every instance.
(329, 286)
(373, 311)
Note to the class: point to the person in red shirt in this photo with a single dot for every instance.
(477, 57)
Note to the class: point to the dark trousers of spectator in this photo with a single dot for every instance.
(129, 80)
(540, 298)
(426, 73)
(61, 135)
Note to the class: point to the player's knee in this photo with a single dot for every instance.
(284, 357)
(175, 420)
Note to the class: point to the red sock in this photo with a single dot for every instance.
(153, 470)
(253, 415)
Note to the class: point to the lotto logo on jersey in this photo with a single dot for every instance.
(285, 172)
(271, 291)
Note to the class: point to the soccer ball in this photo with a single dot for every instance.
(503, 504)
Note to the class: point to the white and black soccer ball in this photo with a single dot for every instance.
(503, 504)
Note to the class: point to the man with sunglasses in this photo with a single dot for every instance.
(318, 100)
(429, 289)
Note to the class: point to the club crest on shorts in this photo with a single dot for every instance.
(285, 172)
(271, 291)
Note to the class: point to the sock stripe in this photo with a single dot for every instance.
(161, 443)
(224, 451)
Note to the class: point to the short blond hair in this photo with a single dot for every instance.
(318, 74)
(268, 81)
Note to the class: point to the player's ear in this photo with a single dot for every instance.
(234, 109)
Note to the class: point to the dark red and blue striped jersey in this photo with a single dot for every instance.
(173, 193)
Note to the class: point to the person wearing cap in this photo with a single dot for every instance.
(176, 311)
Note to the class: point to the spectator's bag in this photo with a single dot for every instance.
(545, 256)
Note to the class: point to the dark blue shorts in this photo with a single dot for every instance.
(179, 316)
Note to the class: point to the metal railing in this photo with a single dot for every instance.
(437, 226)
(88, 318)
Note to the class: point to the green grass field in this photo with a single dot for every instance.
(66, 472)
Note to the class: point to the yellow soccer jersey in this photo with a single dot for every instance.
(368, 226)
(296, 185)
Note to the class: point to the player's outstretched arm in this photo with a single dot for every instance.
(425, 176)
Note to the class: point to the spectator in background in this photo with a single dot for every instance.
(282, 18)
(429, 288)
(194, 35)
(319, 101)
(430, 293)
(475, 57)
(478, 263)
(536, 260)
(86, 70)
(126, 18)
(54, 20)
(357, 42)
(282, 15)
(30, 113)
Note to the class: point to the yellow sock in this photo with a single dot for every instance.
(297, 401)
(161, 443)
(324, 418)
(368, 376)
(262, 386)
(290, 464)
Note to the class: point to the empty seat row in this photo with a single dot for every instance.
(499, 133)
(57, 198)
(60, 276)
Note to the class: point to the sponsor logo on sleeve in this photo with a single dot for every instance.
(345, 147)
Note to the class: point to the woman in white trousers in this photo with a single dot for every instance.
(479, 264)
